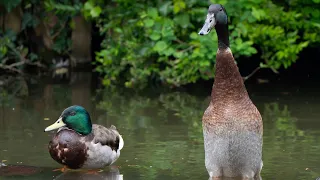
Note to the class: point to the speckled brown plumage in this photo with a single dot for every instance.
(67, 149)
(232, 125)
(230, 107)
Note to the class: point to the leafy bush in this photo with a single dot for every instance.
(158, 40)
(15, 48)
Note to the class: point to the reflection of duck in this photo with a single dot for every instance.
(2, 164)
(232, 125)
(79, 144)
(61, 67)
(113, 174)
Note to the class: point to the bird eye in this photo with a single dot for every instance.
(220, 9)
(72, 113)
(210, 20)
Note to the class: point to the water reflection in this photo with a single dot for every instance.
(163, 133)
(236, 178)
(112, 174)
(33, 172)
(18, 170)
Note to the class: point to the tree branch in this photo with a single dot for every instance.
(10, 68)
(251, 74)
(5, 60)
(59, 31)
(187, 49)
(179, 41)
(22, 61)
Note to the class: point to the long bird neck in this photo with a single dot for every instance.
(223, 36)
(228, 82)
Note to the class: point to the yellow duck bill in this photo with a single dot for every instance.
(58, 124)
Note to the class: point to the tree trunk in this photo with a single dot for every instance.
(12, 20)
(81, 41)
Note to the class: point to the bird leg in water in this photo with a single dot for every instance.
(63, 169)
(94, 171)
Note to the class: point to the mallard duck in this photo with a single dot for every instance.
(232, 125)
(80, 144)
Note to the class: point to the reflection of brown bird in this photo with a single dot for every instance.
(113, 174)
(232, 125)
(232, 178)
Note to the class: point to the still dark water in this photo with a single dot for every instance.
(162, 133)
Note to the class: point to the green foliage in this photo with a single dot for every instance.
(14, 47)
(275, 31)
(158, 40)
(9, 5)
(155, 44)
(90, 9)
(63, 7)
(29, 20)
(9, 47)
(64, 10)
(284, 122)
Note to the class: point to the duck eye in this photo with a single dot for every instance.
(72, 113)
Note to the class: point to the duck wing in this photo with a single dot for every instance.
(107, 137)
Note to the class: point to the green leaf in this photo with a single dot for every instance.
(316, 24)
(148, 22)
(182, 20)
(194, 35)
(178, 6)
(33, 56)
(95, 12)
(106, 82)
(178, 54)
(3, 50)
(165, 8)
(118, 30)
(204, 63)
(11, 35)
(26, 19)
(169, 51)
(155, 36)
(153, 13)
(160, 46)
(88, 5)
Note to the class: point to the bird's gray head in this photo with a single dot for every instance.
(216, 15)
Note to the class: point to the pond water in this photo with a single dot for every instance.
(162, 132)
